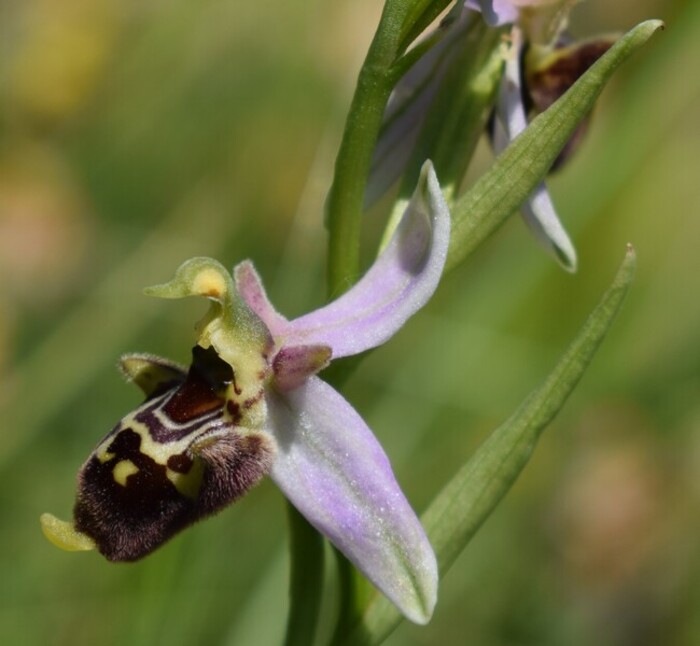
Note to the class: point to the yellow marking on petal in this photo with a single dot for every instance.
(209, 282)
(188, 484)
(64, 535)
(104, 455)
(122, 470)
(160, 452)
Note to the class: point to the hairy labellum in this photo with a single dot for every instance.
(179, 457)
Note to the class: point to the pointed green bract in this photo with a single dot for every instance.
(472, 494)
(514, 175)
(149, 372)
(489, 474)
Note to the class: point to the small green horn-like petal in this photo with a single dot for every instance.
(64, 535)
(149, 372)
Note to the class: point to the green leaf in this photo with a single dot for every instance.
(473, 493)
(501, 191)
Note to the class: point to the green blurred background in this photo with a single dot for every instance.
(134, 135)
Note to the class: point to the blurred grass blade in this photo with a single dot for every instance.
(472, 494)
(514, 175)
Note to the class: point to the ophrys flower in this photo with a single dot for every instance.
(250, 404)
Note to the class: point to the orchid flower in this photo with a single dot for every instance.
(540, 74)
(539, 66)
(251, 404)
(411, 100)
(495, 12)
(511, 119)
(543, 20)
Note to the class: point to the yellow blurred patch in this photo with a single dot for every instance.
(61, 53)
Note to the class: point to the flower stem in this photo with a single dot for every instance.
(306, 580)
(355, 595)
(376, 80)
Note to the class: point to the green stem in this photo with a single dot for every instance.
(401, 21)
(345, 206)
(354, 598)
(346, 198)
(306, 580)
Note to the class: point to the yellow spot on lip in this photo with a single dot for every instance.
(188, 484)
(209, 282)
(64, 535)
(104, 456)
(122, 470)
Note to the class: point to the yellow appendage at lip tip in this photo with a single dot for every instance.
(64, 535)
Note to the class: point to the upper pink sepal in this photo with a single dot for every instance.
(396, 286)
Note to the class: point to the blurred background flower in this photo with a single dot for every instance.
(133, 136)
(57, 56)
